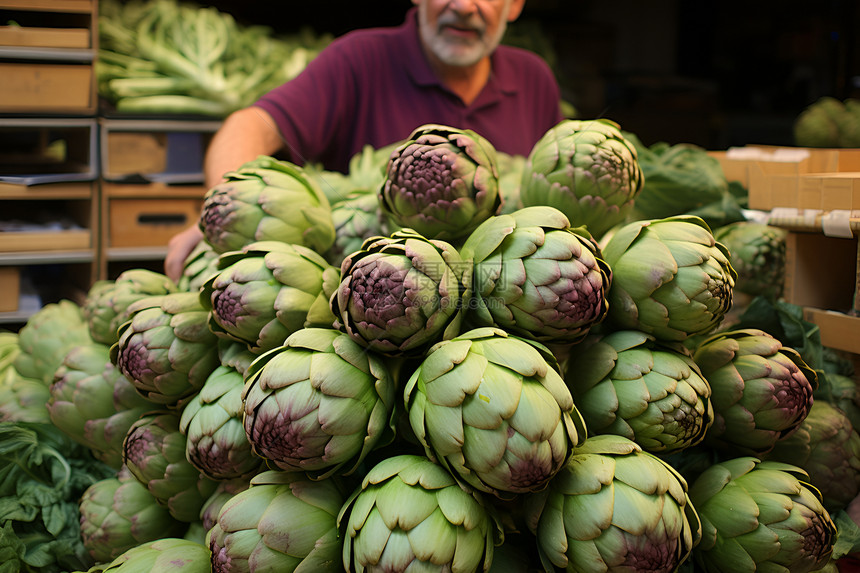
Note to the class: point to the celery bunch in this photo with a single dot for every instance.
(165, 56)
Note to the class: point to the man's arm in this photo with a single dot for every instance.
(245, 135)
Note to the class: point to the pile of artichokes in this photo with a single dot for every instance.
(432, 372)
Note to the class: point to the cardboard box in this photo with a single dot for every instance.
(795, 177)
(50, 5)
(155, 150)
(47, 88)
(838, 330)
(821, 271)
(149, 222)
(36, 37)
(10, 288)
(60, 241)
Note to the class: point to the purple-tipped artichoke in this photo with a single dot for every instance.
(212, 424)
(166, 348)
(628, 384)
(93, 403)
(613, 507)
(537, 277)
(670, 278)
(494, 410)
(399, 295)
(760, 516)
(585, 169)
(200, 264)
(119, 513)
(106, 305)
(442, 182)
(267, 200)
(284, 522)
(320, 403)
(154, 452)
(267, 291)
(827, 447)
(761, 390)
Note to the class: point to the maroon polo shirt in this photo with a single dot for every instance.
(375, 86)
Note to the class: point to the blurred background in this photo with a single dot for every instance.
(712, 73)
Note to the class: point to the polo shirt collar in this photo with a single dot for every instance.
(503, 77)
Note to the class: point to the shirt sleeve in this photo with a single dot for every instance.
(309, 109)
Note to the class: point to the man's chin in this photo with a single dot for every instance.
(460, 56)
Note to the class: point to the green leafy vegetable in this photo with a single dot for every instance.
(42, 475)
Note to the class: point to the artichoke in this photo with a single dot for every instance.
(827, 447)
(411, 515)
(758, 255)
(154, 452)
(614, 507)
(46, 338)
(166, 348)
(585, 169)
(510, 176)
(23, 399)
(320, 403)
(106, 305)
(166, 555)
(216, 443)
(266, 200)
(760, 516)
(200, 264)
(399, 295)
(93, 403)
(670, 278)
(119, 513)
(627, 383)
(267, 291)
(356, 219)
(494, 410)
(224, 492)
(537, 277)
(283, 522)
(762, 390)
(9, 350)
(442, 182)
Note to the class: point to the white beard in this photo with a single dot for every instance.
(456, 51)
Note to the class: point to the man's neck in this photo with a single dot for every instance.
(465, 82)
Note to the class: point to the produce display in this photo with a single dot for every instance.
(447, 359)
(172, 57)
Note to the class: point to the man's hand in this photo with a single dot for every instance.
(178, 249)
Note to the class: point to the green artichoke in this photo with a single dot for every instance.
(93, 403)
(266, 200)
(283, 522)
(166, 348)
(614, 508)
(399, 295)
(494, 410)
(627, 383)
(46, 338)
(827, 447)
(828, 122)
(119, 513)
(224, 492)
(761, 390)
(268, 290)
(758, 255)
(216, 443)
(154, 452)
(356, 219)
(411, 515)
(9, 349)
(166, 555)
(442, 182)
(320, 403)
(106, 305)
(670, 278)
(510, 177)
(200, 264)
(585, 169)
(23, 399)
(536, 277)
(760, 516)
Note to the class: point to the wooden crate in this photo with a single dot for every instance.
(10, 288)
(149, 222)
(47, 88)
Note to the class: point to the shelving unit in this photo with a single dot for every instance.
(151, 187)
(48, 153)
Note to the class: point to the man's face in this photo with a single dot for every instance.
(462, 32)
